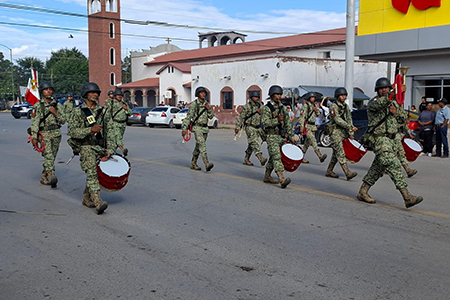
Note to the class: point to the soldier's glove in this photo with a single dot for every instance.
(183, 133)
(236, 131)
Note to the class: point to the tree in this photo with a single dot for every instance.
(67, 70)
(5, 78)
(126, 69)
(23, 68)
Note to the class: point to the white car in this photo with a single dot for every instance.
(179, 117)
(161, 115)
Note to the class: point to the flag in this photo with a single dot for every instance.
(32, 94)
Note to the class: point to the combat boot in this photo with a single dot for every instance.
(321, 156)
(208, 165)
(247, 161)
(100, 205)
(52, 180)
(87, 198)
(363, 195)
(284, 181)
(194, 165)
(410, 200)
(330, 168)
(268, 178)
(44, 179)
(347, 172)
(262, 159)
(409, 172)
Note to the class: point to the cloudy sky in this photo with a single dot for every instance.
(27, 30)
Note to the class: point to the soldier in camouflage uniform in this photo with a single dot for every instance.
(341, 127)
(68, 106)
(89, 125)
(197, 116)
(277, 127)
(119, 112)
(307, 120)
(47, 118)
(110, 99)
(250, 119)
(383, 126)
(402, 118)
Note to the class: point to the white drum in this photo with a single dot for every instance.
(412, 149)
(113, 173)
(291, 157)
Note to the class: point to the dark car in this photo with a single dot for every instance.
(138, 116)
(22, 110)
(360, 121)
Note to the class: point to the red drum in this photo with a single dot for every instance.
(412, 149)
(291, 157)
(113, 173)
(354, 151)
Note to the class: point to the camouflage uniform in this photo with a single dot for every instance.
(308, 120)
(403, 129)
(341, 124)
(50, 129)
(118, 124)
(91, 151)
(276, 133)
(69, 105)
(251, 120)
(200, 130)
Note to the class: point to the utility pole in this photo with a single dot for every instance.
(350, 51)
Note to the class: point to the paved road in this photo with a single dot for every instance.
(174, 233)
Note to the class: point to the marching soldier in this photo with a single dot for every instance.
(277, 127)
(68, 106)
(402, 118)
(48, 117)
(307, 120)
(383, 126)
(197, 116)
(119, 112)
(110, 99)
(341, 127)
(250, 119)
(89, 125)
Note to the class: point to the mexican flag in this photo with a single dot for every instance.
(32, 94)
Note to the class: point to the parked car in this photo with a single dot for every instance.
(161, 115)
(22, 110)
(179, 117)
(138, 116)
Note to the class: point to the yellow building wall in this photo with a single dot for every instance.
(379, 16)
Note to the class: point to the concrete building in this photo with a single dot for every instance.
(230, 71)
(412, 34)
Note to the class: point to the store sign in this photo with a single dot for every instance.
(403, 5)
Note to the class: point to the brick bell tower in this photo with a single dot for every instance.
(105, 61)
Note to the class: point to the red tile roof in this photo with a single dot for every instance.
(148, 82)
(184, 68)
(307, 40)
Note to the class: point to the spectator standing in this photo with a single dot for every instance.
(441, 122)
(413, 108)
(324, 111)
(423, 104)
(291, 115)
(297, 109)
(426, 128)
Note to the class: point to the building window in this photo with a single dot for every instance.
(227, 98)
(112, 79)
(112, 57)
(111, 30)
(324, 54)
(432, 88)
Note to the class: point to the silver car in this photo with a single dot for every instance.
(161, 115)
(179, 117)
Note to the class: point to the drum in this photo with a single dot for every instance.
(291, 157)
(113, 173)
(354, 151)
(412, 149)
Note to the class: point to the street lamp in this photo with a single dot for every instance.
(12, 68)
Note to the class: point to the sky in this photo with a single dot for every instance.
(285, 17)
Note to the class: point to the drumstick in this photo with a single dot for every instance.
(114, 159)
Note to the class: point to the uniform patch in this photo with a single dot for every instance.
(91, 119)
(333, 113)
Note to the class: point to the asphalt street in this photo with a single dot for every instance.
(175, 233)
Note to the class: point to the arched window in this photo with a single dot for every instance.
(227, 98)
(112, 57)
(111, 30)
(112, 79)
(94, 6)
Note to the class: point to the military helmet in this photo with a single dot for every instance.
(382, 83)
(309, 95)
(340, 91)
(275, 89)
(252, 94)
(110, 92)
(45, 85)
(89, 87)
(118, 92)
(200, 89)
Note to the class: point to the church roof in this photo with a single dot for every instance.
(144, 83)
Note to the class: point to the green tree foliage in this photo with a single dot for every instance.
(24, 66)
(5, 78)
(67, 70)
(126, 69)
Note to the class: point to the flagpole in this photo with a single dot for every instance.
(350, 51)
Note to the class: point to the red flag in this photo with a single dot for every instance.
(32, 94)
